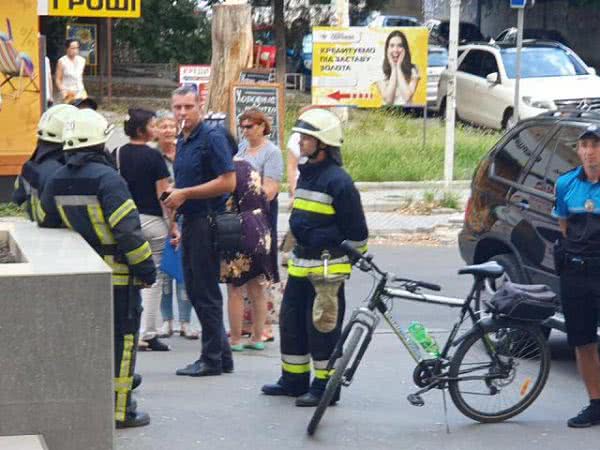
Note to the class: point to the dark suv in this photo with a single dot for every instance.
(508, 217)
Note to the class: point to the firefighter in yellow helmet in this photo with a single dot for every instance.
(326, 211)
(90, 197)
(46, 159)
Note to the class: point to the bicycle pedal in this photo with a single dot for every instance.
(415, 400)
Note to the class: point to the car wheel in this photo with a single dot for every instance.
(512, 273)
(442, 109)
(510, 120)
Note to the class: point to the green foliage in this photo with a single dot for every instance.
(168, 31)
(450, 200)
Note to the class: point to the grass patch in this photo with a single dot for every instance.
(387, 145)
(11, 210)
(450, 200)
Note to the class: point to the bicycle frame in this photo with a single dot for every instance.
(369, 319)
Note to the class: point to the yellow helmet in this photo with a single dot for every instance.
(50, 126)
(86, 128)
(321, 124)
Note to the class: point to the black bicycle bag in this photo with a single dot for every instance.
(531, 302)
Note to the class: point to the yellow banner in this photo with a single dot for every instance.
(19, 83)
(369, 67)
(95, 8)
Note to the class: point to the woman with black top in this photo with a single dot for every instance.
(147, 176)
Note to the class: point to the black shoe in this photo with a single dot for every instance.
(137, 380)
(312, 399)
(587, 417)
(277, 389)
(228, 368)
(199, 369)
(156, 345)
(132, 407)
(136, 419)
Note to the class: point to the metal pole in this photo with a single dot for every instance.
(451, 92)
(109, 54)
(425, 126)
(520, 25)
(342, 15)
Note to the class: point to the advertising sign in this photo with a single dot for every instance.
(266, 97)
(20, 107)
(196, 75)
(91, 8)
(369, 67)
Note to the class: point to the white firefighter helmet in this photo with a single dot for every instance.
(86, 128)
(51, 124)
(321, 124)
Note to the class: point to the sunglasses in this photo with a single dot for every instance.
(247, 127)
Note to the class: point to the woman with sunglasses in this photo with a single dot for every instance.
(265, 157)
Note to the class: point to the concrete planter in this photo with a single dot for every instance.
(56, 330)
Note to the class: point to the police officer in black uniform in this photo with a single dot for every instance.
(326, 211)
(46, 159)
(90, 197)
(577, 208)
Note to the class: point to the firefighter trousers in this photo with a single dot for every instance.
(301, 341)
(127, 312)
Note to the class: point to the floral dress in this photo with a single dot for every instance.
(251, 202)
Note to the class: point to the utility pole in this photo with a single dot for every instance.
(520, 4)
(451, 92)
(342, 18)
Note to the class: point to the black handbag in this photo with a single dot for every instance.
(227, 229)
(531, 302)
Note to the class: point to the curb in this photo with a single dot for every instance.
(411, 185)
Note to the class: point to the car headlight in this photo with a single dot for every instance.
(540, 103)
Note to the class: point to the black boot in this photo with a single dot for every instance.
(137, 380)
(279, 389)
(312, 398)
(134, 419)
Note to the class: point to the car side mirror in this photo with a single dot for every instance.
(493, 78)
(591, 71)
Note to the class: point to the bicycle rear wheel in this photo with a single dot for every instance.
(336, 379)
(500, 372)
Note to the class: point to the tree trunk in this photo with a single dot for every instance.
(232, 46)
(279, 26)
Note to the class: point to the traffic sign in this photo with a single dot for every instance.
(518, 3)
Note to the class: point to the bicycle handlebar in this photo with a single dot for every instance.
(366, 264)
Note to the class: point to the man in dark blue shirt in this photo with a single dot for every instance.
(577, 208)
(204, 176)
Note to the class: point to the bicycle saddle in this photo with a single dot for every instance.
(489, 269)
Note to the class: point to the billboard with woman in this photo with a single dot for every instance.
(370, 67)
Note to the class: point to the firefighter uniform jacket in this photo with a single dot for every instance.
(90, 197)
(326, 211)
(47, 159)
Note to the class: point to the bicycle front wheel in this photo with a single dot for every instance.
(336, 379)
(497, 374)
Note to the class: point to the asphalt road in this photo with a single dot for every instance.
(228, 412)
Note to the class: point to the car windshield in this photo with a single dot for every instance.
(538, 62)
(438, 58)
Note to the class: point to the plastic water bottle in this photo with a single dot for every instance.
(424, 339)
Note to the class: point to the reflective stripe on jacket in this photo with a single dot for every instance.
(326, 211)
(90, 197)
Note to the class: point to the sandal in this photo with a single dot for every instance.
(255, 345)
(268, 337)
(187, 331)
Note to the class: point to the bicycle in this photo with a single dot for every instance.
(501, 360)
